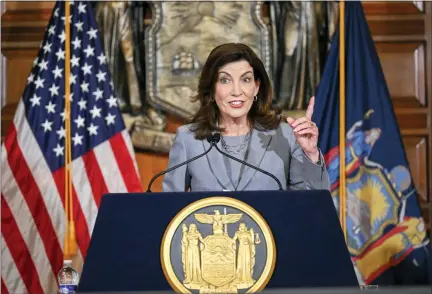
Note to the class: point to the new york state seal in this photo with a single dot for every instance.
(218, 245)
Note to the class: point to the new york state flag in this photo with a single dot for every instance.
(386, 234)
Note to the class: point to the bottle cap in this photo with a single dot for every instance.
(67, 262)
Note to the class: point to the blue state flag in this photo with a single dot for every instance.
(386, 234)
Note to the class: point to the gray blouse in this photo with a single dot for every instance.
(235, 169)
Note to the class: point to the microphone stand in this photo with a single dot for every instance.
(213, 140)
(249, 165)
(177, 166)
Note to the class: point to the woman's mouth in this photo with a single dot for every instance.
(236, 103)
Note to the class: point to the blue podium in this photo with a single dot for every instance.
(124, 252)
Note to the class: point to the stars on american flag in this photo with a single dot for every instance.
(79, 122)
(51, 30)
(62, 36)
(47, 125)
(95, 116)
(76, 43)
(81, 8)
(57, 72)
(54, 90)
(92, 33)
(77, 139)
(110, 119)
(43, 65)
(61, 132)
(60, 54)
(50, 107)
(82, 104)
(75, 61)
(35, 100)
(86, 69)
(98, 94)
(39, 83)
(47, 48)
(95, 112)
(30, 78)
(102, 59)
(92, 129)
(72, 79)
(79, 26)
(59, 150)
(112, 101)
(101, 76)
(89, 51)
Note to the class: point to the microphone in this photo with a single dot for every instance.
(215, 140)
(212, 139)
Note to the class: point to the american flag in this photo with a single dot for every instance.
(33, 173)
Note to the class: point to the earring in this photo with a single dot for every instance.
(212, 99)
(255, 98)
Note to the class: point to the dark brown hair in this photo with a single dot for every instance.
(262, 113)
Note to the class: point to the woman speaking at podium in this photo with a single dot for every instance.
(237, 118)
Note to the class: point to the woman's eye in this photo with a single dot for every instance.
(224, 81)
(247, 80)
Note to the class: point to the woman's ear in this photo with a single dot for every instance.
(257, 86)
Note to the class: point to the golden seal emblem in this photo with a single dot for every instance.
(218, 245)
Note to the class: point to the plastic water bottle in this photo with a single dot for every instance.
(68, 278)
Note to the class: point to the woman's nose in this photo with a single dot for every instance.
(236, 90)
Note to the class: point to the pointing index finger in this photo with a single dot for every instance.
(310, 108)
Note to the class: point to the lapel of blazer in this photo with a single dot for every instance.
(217, 166)
(259, 143)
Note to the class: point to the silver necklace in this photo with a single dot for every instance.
(235, 149)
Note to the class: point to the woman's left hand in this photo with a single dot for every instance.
(306, 132)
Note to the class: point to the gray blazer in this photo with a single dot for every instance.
(274, 151)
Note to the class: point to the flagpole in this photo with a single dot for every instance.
(342, 108)
(70, 247)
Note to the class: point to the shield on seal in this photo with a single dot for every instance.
(218, 260)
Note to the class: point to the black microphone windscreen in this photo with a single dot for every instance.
(216, 138)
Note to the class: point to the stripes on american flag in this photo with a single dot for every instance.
(32, 156)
